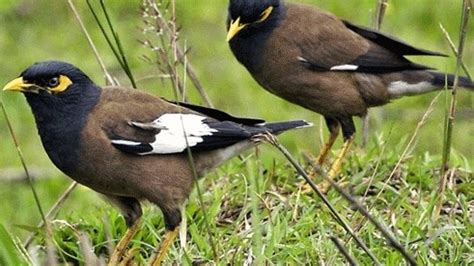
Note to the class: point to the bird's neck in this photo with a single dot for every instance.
(60, 121)
(248, 47)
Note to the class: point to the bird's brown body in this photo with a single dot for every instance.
(165, 180)
(330, 93)
(330, 66)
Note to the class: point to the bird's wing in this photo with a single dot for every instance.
(138, 123)
(219, 115)
(174, 132)
(339, 46)
(389, 42)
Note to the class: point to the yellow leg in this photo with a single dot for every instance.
(336, 166)
(327, 147)
(123, 244)
(306, 188)
(127, 259)
(163, 248)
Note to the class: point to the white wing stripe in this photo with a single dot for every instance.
(302, 59)
(179, 128)
(344, 67)
(125, 142)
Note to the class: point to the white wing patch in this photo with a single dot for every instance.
(345, 68)
(302, 59)
(125, 142)
(400, 88)
(177, 130)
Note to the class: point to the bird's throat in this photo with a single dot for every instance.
(59, 122)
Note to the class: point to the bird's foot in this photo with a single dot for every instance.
(127, 259)
(323, 186)
(334, 170)
(326, 184)
(122, 245)
(314, 173)
(162, 250)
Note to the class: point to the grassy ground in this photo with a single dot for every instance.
(254, 208)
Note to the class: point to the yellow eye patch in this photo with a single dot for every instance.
(265, 14)
(63, 83)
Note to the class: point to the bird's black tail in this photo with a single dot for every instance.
(442, 79)
(279, 127)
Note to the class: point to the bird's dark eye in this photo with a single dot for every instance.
(53, 82)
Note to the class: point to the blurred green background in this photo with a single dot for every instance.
(35, 30)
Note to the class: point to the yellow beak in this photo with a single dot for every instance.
(17, 84)
(234, 28)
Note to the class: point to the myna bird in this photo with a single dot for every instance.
(330, 66)
(131, 146)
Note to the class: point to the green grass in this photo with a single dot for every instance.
(253, 207)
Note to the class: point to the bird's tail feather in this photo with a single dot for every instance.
(443, 79)
(279, 127)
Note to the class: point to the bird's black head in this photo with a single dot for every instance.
(61, 97)
(247, 16)
(49, 77)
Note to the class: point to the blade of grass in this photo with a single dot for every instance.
(104, 33)
(181, 55)
(170, 68)
(354, 202)
(255, 219)
(108, 77)
(403, 156)
(23, 163)
(409, 146)
(274, 141)
(49, 234)
(117, 51)
(385, 232)
(126, 66)
(53, 211)
(177, 83)
(380, 13)
(9, 255)
(188, 149)
(378, 19)
(378, 163)
(86, 248)
(451, 117)
(201, 199)
(455, 50)
(343, 250)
